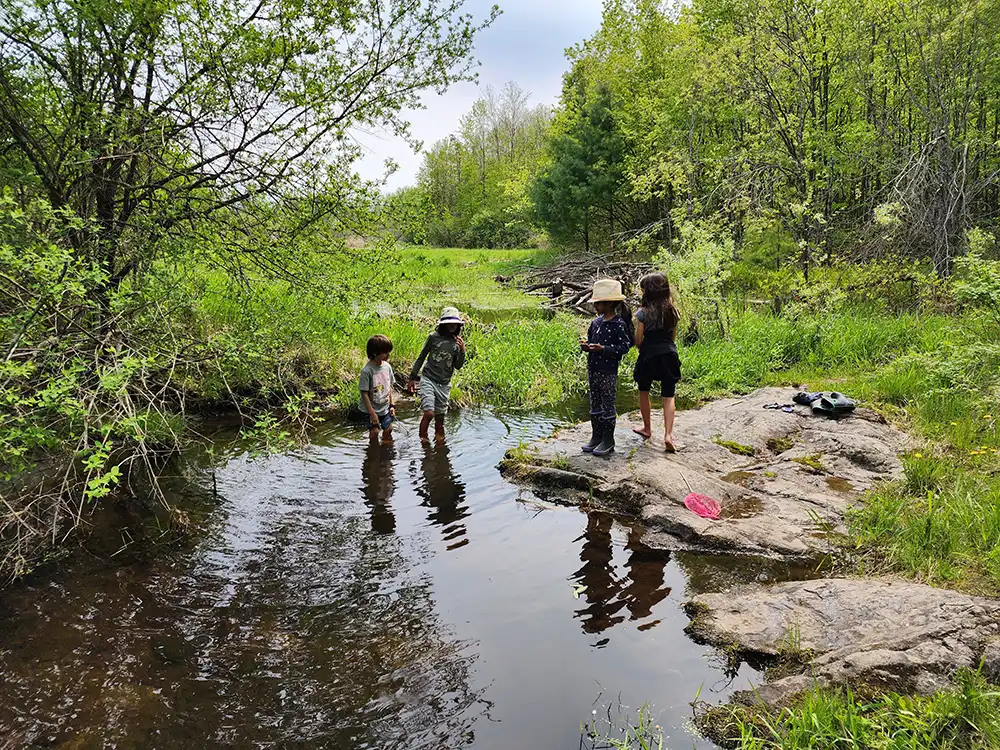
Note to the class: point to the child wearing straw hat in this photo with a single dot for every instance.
(443, 352)
(609, 338)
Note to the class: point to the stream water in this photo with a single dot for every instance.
(354, 595)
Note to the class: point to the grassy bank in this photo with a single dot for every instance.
(965, 716)
(518, 356)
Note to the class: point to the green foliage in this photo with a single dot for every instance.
(977, 281)
(126, 113)
(965, 716)
(841, 130)
(574, 196)
(490, 229)
(475, 182)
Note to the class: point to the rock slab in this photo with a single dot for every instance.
(907, 637)
(784, 480)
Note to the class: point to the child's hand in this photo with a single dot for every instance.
(461, 342)
(597, 347)
(411, 386)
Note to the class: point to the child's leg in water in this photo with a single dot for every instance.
(425, 423)
(439, 425)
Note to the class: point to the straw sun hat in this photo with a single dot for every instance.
(607, 290)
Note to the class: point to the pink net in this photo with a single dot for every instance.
(703, 505)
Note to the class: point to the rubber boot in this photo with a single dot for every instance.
(595, 439)
(608, 439)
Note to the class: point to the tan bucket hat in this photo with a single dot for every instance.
(607, 290)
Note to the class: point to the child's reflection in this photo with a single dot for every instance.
(378, 483)
(646, 573)
(604, 590)
(443, 491)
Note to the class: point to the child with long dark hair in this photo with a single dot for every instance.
(609, 338)
(655, 334)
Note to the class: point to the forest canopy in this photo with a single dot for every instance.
(820, 129)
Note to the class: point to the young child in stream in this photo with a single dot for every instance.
(375, 384)
(655, 331)
(444, 352)
(608, 340)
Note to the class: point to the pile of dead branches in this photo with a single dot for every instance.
(567, 284)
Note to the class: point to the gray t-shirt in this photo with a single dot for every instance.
(443, 356)
(376, 381)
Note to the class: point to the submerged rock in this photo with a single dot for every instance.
(907, 637)
(784, 480)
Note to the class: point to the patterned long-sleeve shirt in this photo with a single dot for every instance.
(614, 336)
(443, 356)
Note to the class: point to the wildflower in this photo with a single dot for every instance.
(918, 455)
(987, 416)
(954, 424)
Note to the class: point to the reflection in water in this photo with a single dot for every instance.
(378, 482)
(606, 593)
(311, 613)
(444, 491)
(645, 572)
(289, 626)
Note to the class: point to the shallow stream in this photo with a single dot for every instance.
(353, 595)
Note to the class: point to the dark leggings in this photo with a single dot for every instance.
(669, 387)
(603, 390)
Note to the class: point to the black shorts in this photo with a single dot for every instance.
(664, 367)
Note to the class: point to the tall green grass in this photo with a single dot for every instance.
(279, 339)
(964, 717)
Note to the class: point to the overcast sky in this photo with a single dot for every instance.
(526, 44)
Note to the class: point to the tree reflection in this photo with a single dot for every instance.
(605, 592)
(284, 627)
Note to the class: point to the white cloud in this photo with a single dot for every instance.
(526, 45)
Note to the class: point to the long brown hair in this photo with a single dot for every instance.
(658, 302)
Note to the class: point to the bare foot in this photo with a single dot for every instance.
(668, 445)
(642, 433)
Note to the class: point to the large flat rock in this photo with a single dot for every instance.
(788, 498)
(902, 636)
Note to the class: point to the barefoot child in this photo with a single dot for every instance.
(609, 338)
(655, 331)
(444, 353)
(375, 384)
